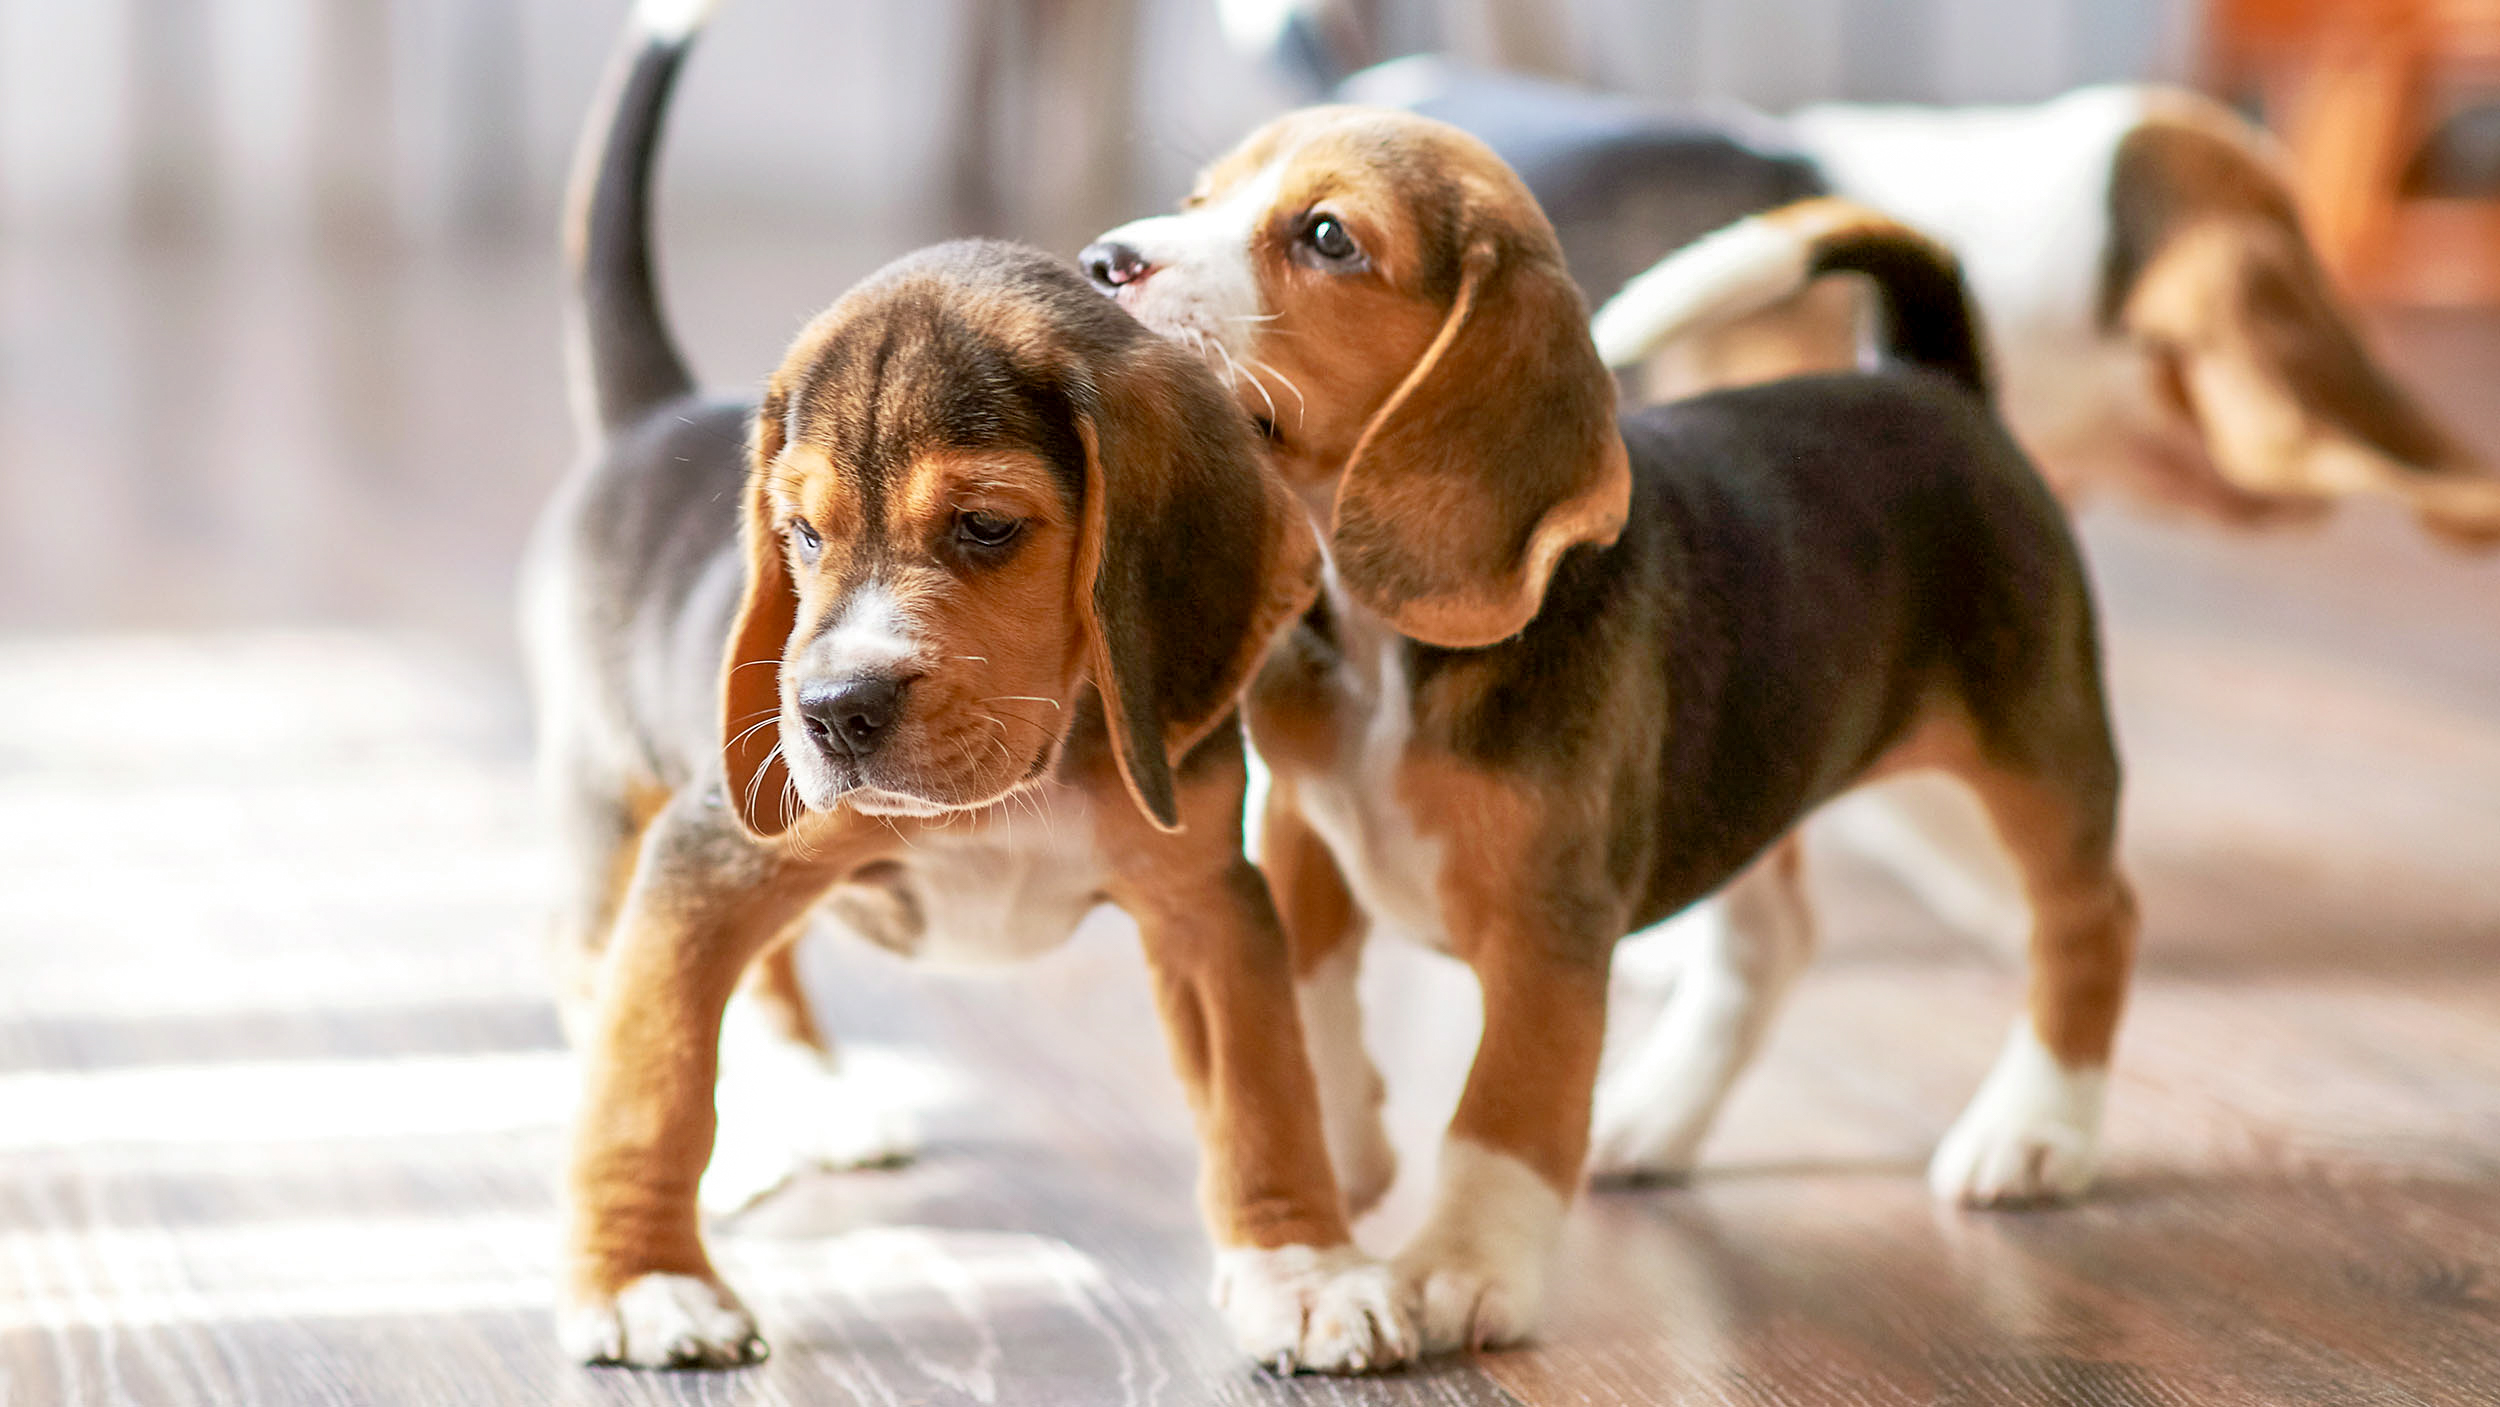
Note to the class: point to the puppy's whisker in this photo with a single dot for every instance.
(1020, 698)
(757, 779)
(976, 659)
(758, 728)
(1240, 373)
(1300, 405)
(1010, 717)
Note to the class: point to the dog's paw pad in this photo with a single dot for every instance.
(665, 1321)
(1304, 1309)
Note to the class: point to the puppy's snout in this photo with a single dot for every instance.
(853, 719)
(1114, 266)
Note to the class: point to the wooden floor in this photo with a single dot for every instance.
(280, 1095)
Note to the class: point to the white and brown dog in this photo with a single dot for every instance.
(1569, 674)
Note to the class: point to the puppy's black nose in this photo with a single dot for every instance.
(853, 718)
(1113, 266)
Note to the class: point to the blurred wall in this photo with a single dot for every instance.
(432, 120)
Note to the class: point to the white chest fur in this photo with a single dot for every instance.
(1393, 869)
(1006, 891)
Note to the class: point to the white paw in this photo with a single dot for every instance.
(664, 1321)
(1468, 1302)
(2031, 1134)
(1303, 1309)
(1476, 1271)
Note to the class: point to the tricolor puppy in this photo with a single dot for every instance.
(948, 630)
(1569, 675)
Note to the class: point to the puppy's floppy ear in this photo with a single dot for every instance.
(758, 782)
(1191, 557)
(1496, 455)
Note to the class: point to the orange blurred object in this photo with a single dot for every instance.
(2354, 87)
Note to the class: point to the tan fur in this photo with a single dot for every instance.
(1228, 1008)
(1544, 983)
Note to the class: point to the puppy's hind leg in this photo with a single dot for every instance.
(2033, 1131)
(1325, 934)
(787, 1106)
(1654, 1109)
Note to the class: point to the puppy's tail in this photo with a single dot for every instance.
(1765, 259)
(620, 358)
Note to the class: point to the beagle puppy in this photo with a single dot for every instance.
(2162, 328)
(1570, 674)
(948, 629)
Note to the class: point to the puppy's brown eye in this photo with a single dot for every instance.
(1327, 238)
(987, 531)
(805, 539)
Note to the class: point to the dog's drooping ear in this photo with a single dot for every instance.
(1191, 558)
(1495, 456)
(753, 772)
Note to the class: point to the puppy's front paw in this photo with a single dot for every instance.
(1305, 1309)
(664, 1321)
(2032, 1134)
(1477, 1269)
(1472, 1297)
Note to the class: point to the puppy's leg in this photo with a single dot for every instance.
(1289, 1280)
(638, 1285)
(1526, 902)
(786, 1104)
(1513, 1154)
(2033, 1131)
(1654, 1109)
(1326, 937)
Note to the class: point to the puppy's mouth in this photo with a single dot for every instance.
(874, 801)
(923, 776)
